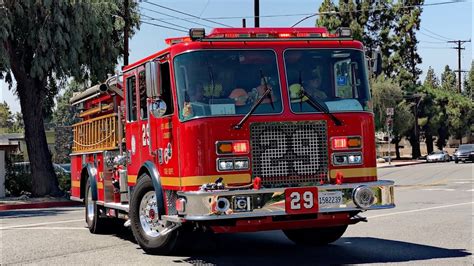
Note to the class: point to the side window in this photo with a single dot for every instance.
(131, 99)
(343, 79)
(142, 91)
(166, 94)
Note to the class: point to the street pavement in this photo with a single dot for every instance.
(431, 225)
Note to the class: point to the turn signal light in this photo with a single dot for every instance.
(340, 143)
(232, 147)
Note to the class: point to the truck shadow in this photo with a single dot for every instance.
(38, 212)
(274, 248)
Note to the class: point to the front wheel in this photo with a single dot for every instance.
(315, 236)
(145, 212)
(95, 223)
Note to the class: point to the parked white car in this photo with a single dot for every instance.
(438, 156)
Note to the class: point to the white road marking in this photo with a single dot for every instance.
(39, 224)
(420, 210)
(462, 182)
(48, 228)
(470, 190)
(439, 189)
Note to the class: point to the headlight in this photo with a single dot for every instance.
(355, 159)
(241, 164)
(347, 158)
(225, 164)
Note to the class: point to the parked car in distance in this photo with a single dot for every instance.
(464, 153)
(438, 156)
(24, 167)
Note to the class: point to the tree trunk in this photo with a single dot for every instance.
(31, 92)
(429, 143)
(397, 148)
(415, 146)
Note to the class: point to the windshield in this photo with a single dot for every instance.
(226, 82)
(466, 147)
(337, 78)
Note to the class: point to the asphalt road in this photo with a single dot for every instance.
(432, 224)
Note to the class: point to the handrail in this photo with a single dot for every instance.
(99, 133)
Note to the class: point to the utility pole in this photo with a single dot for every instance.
(126, 19)
(459, 48)
(256, 8)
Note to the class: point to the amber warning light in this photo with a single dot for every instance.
(340, 143)
(232, 147)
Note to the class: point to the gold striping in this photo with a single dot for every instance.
(132, 179)
(199, 180)
(354, 172)
(76, 184)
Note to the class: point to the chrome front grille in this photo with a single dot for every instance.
(289, 153)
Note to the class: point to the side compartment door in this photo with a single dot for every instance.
(132, 126)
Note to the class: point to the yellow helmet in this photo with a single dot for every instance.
(295, 93)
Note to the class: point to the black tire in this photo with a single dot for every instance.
(149, 240)
(315, 236)
(95, 223)
(456, 161)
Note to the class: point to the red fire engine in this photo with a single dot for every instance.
(240, 130)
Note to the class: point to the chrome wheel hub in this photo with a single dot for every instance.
(90, 206)
(149, 214)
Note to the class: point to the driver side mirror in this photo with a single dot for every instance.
(158, 108)
(153, 79)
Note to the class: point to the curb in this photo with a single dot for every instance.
(400, 165)
(38, 205)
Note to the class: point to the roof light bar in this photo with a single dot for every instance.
(344, 32)
(197, 33)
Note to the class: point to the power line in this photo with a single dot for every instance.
(162, 26)
(436, 34)
(187, 14)
(169, 23)
(433, 37)
(171, 16)
(374, 9)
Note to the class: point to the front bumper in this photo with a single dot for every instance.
(201, 205)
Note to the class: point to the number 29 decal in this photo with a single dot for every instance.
(301, 200)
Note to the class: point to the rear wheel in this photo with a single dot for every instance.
(456, 161)
(145, 211)
(315, 236)
(95, 223)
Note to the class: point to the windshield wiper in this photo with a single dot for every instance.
(316, 104)
(266, 93)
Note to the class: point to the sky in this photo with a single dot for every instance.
(439, 23)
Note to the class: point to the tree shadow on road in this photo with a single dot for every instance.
(274, 248)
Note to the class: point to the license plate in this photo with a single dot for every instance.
(329, 199)
(301, 200)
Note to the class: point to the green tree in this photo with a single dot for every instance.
(328, 18)
(6, 118)
(469, 83)
(387, 94)
(431, 80)
(460, 112)
(406, 57)
(45, 41)
(18, 125)
(64, 116)
(448, 80)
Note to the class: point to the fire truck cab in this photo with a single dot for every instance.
(240, 130)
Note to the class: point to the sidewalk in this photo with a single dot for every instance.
(399, 163)
(16, 203)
